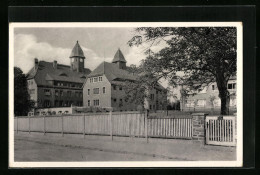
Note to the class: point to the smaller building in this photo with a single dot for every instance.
(208, 99)
(104, 87)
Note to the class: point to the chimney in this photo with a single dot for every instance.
(55, 64)
(36, 63)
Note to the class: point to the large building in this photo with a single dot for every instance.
(208, 98)
(56, 85)
(104, 87)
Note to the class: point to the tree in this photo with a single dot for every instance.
(22, 102)
(193, 57)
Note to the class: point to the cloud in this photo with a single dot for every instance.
(26, 48)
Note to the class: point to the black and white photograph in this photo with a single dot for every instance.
(162, 94)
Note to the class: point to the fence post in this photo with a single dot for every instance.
(62, 132)
(146, 125)
(29, 124)
(111, 124)
(84, 126)
(199, 128)
(44, 125)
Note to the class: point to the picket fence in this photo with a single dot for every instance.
(116, 124)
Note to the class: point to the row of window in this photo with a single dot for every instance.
(61, 103)
(30, 82)
(95, 103)
(61, 93)
(231, 86)
(96, 90)
(119, 87)
(202, 103)
(72, 60)
(95, 79)
(31, 91)
(67, 84)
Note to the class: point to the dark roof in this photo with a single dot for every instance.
(77, 51)
(115, 75)
(112, 72)
(45, 71)
(119, 57)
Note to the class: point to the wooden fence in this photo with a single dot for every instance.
(116, 124)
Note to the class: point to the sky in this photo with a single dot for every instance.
(50, 44)
(99, 44)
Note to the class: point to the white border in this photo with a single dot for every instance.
(237, 163)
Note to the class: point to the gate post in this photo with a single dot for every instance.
(198, 125)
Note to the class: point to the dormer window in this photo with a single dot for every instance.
(63, 74)
(83, 76)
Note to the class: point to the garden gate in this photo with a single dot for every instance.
(220, 130)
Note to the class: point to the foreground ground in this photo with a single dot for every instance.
(53, 147)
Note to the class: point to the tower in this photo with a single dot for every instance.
(77, 58)
(119, 59)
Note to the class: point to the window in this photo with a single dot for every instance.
(61, 103)
(201, 103)
(56, 93)
(95, 79)
(231, 85)
(114, 87)
(76, 94)
(96, 91)
(99, 78)
(156, 91)
(213, 87)
(152, 96)
(32, 91)
(56, 103)
(91, 80)
(190, 103)
(115, 100)
(88, 102)
(104, 90)
(81, 59)
(47, 103)
(47, 92)
(120, 88)
(88, 91)
(69, 93)
(72, 60)
(61, 93)
(80, 94)
(96, 102)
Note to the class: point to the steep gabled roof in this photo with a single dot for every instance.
(119, 57)
(112, 72)
(45, 72)
(77, 51)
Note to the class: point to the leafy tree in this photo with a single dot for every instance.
(193, 57)
(22, 102)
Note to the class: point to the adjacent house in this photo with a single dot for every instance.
(56, 85)
(104, 87)
(208, 98)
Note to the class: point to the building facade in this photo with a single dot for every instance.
(56, 85)
(208, 98)
(104, 87)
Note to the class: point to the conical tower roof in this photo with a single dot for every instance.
(119, 57)
(77, 51)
